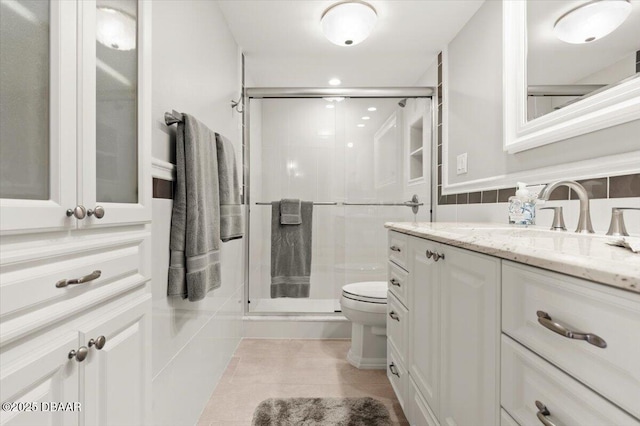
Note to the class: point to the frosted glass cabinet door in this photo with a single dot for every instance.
(115, 159)
(37, 114)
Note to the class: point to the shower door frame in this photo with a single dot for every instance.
(250, 93)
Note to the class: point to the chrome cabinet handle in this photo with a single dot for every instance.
(99, 342)
(79, 212)
(395, 282)
(543, 415)
(546, 320)
(80, 354)
(429, 253)
(437, 256)
(395, 248)
(98, 212)
(92, 276)
(394, 316)
(393, 369)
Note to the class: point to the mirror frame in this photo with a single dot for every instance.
(615, 105)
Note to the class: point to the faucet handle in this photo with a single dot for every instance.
(616, 227)
(558, 219)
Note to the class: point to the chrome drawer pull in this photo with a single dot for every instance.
(393, 369)
(395, 248)
(99, 342)
(394, 316)
(80, 354)
(543, 414)
(546, 321)
(395, 282)
(92, 276)
(437, 256)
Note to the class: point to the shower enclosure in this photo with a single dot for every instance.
(354, 153)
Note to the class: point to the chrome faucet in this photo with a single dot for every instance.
(584, 221)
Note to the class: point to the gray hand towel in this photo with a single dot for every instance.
(290, 212)
(194, 268)
(231, 226)
(291, 253)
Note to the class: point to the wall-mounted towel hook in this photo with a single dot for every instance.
(235, 104)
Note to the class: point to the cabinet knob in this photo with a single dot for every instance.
(393, 369)
(79, 354)
(98, 212)
(394, 316)
(428, 253)
(545, 320)
(395, 282)
(395, 248)
(79, 212)
(437, 256)
(99, 342)
(543, 414)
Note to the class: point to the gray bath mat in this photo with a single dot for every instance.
(321, 412)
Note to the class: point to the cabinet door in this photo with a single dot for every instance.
(37, 114)
(470, 295)
(424, 320)
(115, 93)
(118, 376)
(39, 379)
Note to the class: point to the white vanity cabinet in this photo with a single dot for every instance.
(453, 335)
(492, 341)
(75, 136)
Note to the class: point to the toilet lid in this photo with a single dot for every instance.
(370, 291)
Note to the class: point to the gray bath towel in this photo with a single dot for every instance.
(290, 212)
(231, 226)
(291, 253)
(194, 268)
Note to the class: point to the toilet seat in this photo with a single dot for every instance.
(367, 292)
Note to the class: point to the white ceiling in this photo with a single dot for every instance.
(284, 45)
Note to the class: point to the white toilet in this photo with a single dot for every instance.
(365, 305)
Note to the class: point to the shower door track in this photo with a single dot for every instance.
(315, 92)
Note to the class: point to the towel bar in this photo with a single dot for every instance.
(172, 117)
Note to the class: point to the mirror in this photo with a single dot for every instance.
(555, 90)
(561, 72)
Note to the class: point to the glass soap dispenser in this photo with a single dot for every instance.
(522, 209)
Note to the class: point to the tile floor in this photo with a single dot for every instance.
(273, 368)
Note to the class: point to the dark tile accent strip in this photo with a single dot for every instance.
(462, 198)
(162, 188)
(596, 188)
(624, 186)
(505, 193)
(490, 196)
(475, 197)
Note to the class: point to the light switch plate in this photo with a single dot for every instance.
(461, 164)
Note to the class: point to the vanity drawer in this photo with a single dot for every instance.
(397, 249)
(397, 326)
(30, 284)
(397, 282)
(419, 412)
(578, 305)
(398, 375)
(527, 378)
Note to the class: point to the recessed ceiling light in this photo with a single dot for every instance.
(349, 22)
(115, 29)
(360, 125)
(335, 82)
(329, 106)
(350, 145)
(365, 117)
(591, 21)
(372, 109)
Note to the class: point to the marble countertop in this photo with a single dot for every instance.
(579, 255)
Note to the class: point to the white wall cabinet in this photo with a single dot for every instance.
(75, 131)
(95, 148)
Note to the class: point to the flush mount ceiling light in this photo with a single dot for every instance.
(115, 29)
(591, 21)
(348, 23)
(372, 109)
(335, 82)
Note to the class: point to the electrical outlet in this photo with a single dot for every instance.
(461, 164)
